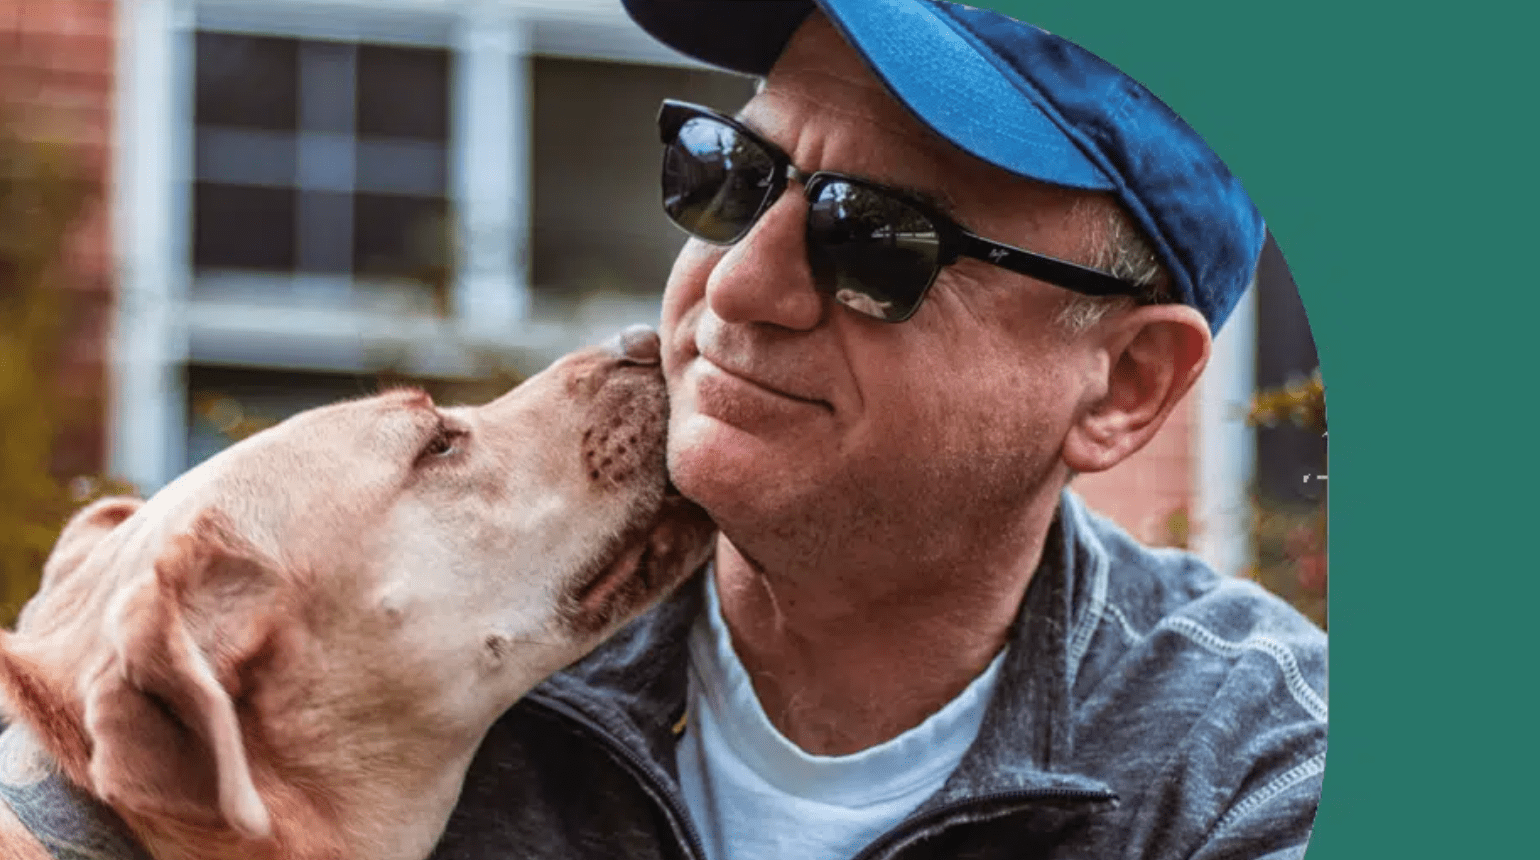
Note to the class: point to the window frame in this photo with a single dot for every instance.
(162, 325)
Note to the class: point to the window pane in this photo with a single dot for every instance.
(403, 92)
(246, 81)
(598, 223)
(242, 227)
(326, 77)
(399, 236)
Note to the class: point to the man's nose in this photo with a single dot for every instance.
(637, 344)
(765, 276)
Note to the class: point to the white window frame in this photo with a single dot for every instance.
(162, 325)
(1224, 445)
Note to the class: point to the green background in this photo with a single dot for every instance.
(1391, 148)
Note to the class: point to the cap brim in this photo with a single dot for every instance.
(741, 35)
(955, 86)
(958, 88)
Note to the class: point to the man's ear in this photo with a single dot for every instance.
(1156, 353)
(166, 739)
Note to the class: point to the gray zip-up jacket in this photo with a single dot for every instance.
(1148, 708)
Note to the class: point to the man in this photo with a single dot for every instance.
(913, 641)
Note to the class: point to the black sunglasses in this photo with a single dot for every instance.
(873, 248)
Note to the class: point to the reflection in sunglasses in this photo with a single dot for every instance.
(886, 241)
(864, 303)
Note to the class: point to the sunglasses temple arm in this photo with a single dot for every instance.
(1060, 273)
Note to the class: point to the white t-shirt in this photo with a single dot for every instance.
(753, 794)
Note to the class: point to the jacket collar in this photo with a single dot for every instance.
(633, 688)
(69, 823)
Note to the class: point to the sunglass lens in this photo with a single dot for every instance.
(715, 181)
(873, 252)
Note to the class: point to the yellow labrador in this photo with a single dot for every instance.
(294, 649)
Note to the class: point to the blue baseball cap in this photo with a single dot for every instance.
(1024, 100)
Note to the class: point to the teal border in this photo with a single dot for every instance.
(1391, 146)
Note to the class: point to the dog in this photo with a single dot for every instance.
(294, 649)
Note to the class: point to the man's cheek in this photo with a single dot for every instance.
(687, 278)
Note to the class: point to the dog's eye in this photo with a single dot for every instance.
(445, 443)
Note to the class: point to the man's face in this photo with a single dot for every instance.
(800, 423)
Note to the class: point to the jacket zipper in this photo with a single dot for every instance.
(638, 766)
(909, 825)
(696, 851)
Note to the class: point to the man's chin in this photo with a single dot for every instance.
(726, 470)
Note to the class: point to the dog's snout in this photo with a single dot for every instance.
(637, 344)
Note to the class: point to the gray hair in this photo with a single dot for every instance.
(1117, 246)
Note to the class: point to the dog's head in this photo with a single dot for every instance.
(332, 612)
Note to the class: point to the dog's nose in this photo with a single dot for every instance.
(637, 343)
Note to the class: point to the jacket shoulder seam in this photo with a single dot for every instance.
(1294, 679)
(1307, 769)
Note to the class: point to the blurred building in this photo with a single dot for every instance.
(302, 193)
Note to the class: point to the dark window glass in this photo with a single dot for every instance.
(326, 73)
(403, 92)
(247, 81)
(1289, 458)
(399, 236)
(243, 227)
(596, 217)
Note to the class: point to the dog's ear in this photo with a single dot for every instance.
(88, 527)
(32, 696)
(166, 738)
(29, 693)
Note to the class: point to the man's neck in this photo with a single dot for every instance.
(843, 659)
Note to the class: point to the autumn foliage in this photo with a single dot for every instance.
(43, 191)
(1290, 541)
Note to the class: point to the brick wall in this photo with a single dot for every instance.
(56, 67)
